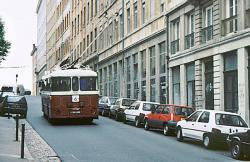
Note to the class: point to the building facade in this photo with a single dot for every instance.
(189, 52)
(40, 67)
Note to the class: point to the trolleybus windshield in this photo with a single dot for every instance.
(88, 83)
(61, 83)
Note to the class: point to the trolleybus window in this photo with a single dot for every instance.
(75, 84)
(61, 84)
(87, 84)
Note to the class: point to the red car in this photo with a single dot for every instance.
(166, 117)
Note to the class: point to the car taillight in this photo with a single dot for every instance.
(172, 116)
(216, 131)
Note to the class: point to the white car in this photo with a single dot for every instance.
(137, 111)
(210, 126)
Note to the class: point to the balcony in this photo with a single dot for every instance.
(229, 25)
(207, 34)
(174, 46)
(189, 41)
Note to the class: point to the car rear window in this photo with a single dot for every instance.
(229, 120)
(149, 106)
(185, 111)
(127, 102)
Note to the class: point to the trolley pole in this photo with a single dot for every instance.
(22, 141)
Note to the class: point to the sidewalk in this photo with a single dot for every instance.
(10, 150)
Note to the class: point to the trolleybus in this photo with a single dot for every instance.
(70, 94)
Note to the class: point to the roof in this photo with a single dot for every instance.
(71, 73)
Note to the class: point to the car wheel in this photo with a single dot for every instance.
(124, 119)
(179, 136)
(146, 126)
(235, 149)
(165, 130)
(110, 116)
(137, 122)
(207, 142)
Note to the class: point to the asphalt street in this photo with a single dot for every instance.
(106, 140)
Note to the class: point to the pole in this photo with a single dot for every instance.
(17, 123)
(22, 141)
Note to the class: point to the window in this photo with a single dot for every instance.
(152, 90)
(84, 15)
(143, 12)
(229, 120)
(128, 68)
(135, 15)
(88, 13)
(230, 23)
(176, 85)
(61, 84)
(92, 9)
(152, 61)
(162, 7)
(95, 48)
(175, 36)
(128, 20)
(194, 116)
(231, 83)
(75, 84)
(190, 84)
(162, 58)
(207, 31)
(121, 25)
(204, 118)
(128, 91)
(135, 60)
(136, 90)
(143, 90)
(189, 38)
(143, 64)
(88, 84)
(148, 106)
(163, 92)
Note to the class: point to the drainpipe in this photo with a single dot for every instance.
(122, 92)
(167, 57)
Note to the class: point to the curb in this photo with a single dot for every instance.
(37, 146)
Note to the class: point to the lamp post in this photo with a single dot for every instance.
(16, 78)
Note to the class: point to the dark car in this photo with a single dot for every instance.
(239, 144)
(105, 103)
(13, 105)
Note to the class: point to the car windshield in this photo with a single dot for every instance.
(229, 120)
(185, 111)
(112, 100)
(7, 89)
(127, 102)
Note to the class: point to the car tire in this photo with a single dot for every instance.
(235, 150)
(124, 119)
(137, 122)
(166, 130)
(207, 142)
(146, 126)
(179, 135)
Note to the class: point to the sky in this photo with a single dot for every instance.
(19, 17)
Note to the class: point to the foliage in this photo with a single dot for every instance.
(4, 44)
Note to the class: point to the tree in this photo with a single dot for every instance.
(4, 44)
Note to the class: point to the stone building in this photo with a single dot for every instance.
(189, 52)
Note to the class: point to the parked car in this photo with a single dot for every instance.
(166, 117)
(210, 126)
(117, 111)
(105, 103)
(239, 144)
(137, 111)
(14, 105)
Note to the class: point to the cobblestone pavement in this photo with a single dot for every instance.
(38, 148)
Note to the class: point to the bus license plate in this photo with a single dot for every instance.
(75, 112)
(75, 98)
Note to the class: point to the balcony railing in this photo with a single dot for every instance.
(207, 34)
(229, 25)
(175, 46)
(189, 41)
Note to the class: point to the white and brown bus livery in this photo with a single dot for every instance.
(70, 94)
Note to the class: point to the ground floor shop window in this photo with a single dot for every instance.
(152, 90)
(191, 85)
(176, 85)
(136, 90)
(143, 90)
(209, 85)
(128, 91)
(163, 92)
(231, 83)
